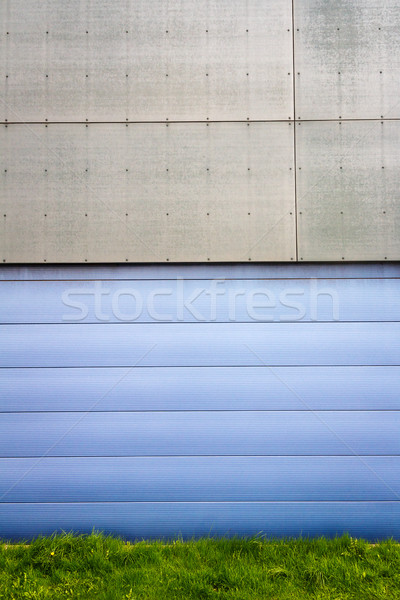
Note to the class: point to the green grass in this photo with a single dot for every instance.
(106, 568)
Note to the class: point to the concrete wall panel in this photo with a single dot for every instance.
(348, 190)
(145, 61)
(147, 192)
(347, 59)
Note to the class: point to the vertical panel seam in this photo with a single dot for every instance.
(294, 134)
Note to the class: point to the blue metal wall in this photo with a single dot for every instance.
(271, 406)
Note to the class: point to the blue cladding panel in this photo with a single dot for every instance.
(196, 344)
(240, 300)
(199, 433)
(200, 388)
(200, 479)
(373, 520)
(158, 429)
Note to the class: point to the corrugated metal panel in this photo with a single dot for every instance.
(188, 344)
(373, 520)
(347, 59)
(348, 190)
(199, 388)
(148, 193)
(201, 479)
(176, 442)
(239, 300)
(147, 61)
(185, 433)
